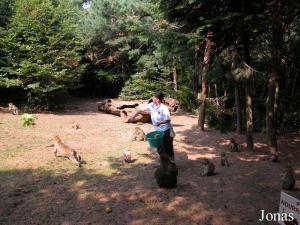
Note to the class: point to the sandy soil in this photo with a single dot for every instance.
(37, 188)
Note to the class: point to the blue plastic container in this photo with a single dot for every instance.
(155, 138)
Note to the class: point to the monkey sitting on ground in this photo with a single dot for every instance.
(274, 158)
(13, 109)
(138, 135)
(234, 147)
(127, 156)
(208, 168)
(166, 174)
(66, 151)
(289, 181)
(75, 125)
(224, 159)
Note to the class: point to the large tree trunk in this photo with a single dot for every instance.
(207, 56)
(236, 93)
(273, 87)
(249, 100)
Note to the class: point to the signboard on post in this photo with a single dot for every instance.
(289, 205)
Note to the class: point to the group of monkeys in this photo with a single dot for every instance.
(167, 172)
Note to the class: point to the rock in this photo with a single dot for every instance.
(108, 210)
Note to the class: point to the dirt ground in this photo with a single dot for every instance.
(37, 188)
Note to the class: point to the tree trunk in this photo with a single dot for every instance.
(174, 73)
(198, 71)
(236, 93)
(207, 56)
(249, 101)
(249, 118)
(273, 87)
(238, 109)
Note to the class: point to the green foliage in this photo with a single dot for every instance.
(187, 99)
(28, 119)
(220, 119)
(43, 51)
(114, 81)
(116, 35)
(5, 12)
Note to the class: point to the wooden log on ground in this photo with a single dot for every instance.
(4, 110)
(124, 111)
(172, 104)
(141, 117)
(10, 109)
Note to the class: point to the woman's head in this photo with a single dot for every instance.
(158, 97)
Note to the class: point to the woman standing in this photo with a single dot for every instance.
(161, 120)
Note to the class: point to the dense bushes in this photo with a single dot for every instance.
(42, 49)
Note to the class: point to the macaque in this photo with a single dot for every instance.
(75, 125)
(234, 147)
(289, 181)
(10, 109)
(127, 156)
(138, 135)
(224, 159)
(208, 168)
(274, 158)
(66, 151)
(166, 174)
(13, 109)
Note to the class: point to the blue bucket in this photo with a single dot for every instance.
(155, 138)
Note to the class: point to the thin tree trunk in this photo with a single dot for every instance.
(198, 71)
(273, 87)
(236, 93)
(203, 101)
(294, 85)
(238, 109)
(249, 101)
(249, 118)
(216, 90)
(216, 93)
(207, 56)
(175, 78)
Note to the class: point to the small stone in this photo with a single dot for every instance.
(108, 209)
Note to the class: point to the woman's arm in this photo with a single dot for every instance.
(163, 122)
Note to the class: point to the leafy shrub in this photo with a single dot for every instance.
(28, 119)
(186, 98)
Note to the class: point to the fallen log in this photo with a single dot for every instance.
(172, 104)
(10, 109)
(124, 111)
